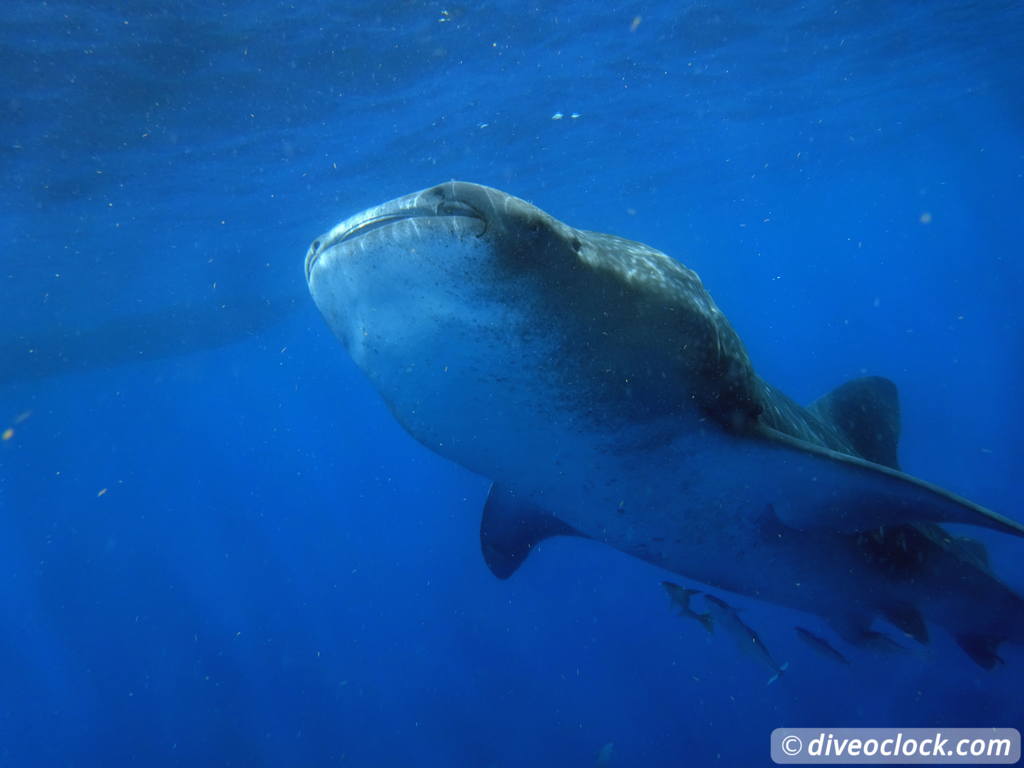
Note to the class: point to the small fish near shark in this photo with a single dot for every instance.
(604, 755)
(723, 615)
(596, 383)
(821, 646)
(680, 597)
(747, 640)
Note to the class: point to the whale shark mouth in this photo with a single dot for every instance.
(347, 232)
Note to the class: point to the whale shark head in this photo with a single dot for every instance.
(478, 316)
(424, 267)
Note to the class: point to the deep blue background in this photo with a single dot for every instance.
(276, 574)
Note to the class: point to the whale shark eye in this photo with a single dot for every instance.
(576, 244)
(316, 245)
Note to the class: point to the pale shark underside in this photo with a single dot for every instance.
(597, 384)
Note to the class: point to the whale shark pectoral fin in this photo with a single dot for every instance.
(864, 495)
(511, 527)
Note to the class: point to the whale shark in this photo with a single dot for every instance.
(602, 391)
(179, 329)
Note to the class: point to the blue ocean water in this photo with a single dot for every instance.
(216, 545)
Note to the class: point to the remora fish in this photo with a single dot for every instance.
(747, 639)
(681, 598)
(882, 643)
(822, 646)
(596, 383)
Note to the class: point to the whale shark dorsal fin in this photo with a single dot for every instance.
(511, 527)
(867, 412)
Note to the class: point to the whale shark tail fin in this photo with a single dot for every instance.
(511, 527)
(867, 413)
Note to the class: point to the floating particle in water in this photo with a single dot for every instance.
(635, 23)
(557, 116)
(8, 434)
(102, 492)
(925, 218)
